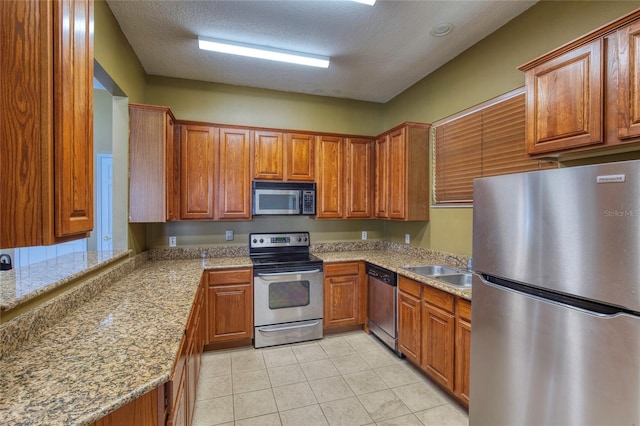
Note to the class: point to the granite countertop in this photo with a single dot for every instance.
(394, 261)
(124, 342)
(108, 352)
(19, 285)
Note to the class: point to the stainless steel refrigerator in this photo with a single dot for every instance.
(556, 303)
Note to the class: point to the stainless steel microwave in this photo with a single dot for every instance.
(284, 198)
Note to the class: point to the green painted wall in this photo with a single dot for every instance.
(484, 71)
(221, 103)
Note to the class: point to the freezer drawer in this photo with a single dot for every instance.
(536, 362)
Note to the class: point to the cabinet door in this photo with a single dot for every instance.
(463, 359)
(409, 326)
(234, 179)
(438, 329)
(142, 411)
(381, 184)
(197, 166)
(564, 101)
(358, 178)
(268, 150)
(151, 156)
(330, 188)
(73, 116)
(629, 81)
(398, 174)
(300, 153)
(230, 312)
(341, 301)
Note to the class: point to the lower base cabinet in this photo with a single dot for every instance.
(434, 333)
(230, 305)
(344, 294)
(145, 410)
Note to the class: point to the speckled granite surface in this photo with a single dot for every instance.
(22, 284)
(120, 345)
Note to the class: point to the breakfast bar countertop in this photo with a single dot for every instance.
(119, 346)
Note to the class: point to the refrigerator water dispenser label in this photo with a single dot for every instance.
(610, 179)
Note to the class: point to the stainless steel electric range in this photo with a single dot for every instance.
(288, 289)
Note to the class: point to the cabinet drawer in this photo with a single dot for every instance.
(230, 276)
(464, 309)
(337, 269)
(438, 298)
(410, 286)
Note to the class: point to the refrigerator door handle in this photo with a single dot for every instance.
(588, 306)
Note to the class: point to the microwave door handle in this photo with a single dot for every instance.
(276, 274)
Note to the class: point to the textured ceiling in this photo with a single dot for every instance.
(376, 52)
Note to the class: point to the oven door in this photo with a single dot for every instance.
(284, 297)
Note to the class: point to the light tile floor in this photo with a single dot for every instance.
(346, 379)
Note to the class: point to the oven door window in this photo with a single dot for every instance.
(289, 294)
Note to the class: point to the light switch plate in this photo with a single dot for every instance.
(172, 241)
(228, 235)
(407, 238)
(364, 235)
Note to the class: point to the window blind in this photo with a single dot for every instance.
(487, 140)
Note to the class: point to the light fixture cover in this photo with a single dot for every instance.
(262, 52)
(369, 2)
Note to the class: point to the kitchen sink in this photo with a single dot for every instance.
(432, 270)
(459, 280)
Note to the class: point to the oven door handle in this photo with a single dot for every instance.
(276, 274)
(289, 327)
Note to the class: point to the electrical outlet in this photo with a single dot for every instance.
(407, 238)
(364, 235)
(228, 235)
(172, 241)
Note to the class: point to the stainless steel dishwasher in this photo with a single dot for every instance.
(382, 305)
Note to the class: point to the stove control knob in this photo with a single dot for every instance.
(305, 238)
(261, 240)
(299, 239)
(255, 241)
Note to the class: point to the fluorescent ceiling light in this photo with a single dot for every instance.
(369, 2)
(262, 52)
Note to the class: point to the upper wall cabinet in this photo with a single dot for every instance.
(154, 172)
(402, 173)
(234, 178)
(330, 179)
(358, 175)
(46, 57)
(197, 171)
(280, 156)
(629, 81)
(584, 95)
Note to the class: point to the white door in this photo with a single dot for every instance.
(105, 202)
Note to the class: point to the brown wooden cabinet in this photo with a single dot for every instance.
(402, 173)
(438, 328)
(153, 165)
(145, 410)
(300, 150)
(564, 100)
(344, 294)
(268, 155)
(629, 81)
(230, 305)
(409, 318)
(583, 95)
(329, 177)
(46, 121)
(234, 177)
(381, 177)
(463, 350)
(182, 387)
(358, 176)
(197, 171)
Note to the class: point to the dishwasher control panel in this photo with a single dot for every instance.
(384, 275)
